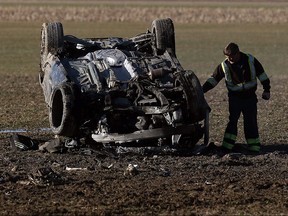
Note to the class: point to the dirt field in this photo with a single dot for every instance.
(95, 181)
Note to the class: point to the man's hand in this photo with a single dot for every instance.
(266, 95)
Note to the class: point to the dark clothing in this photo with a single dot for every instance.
(242, 97)
(240, 73)
(248, 107)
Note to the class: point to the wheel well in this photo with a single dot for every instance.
(57, 108)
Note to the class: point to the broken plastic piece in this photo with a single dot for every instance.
(23, 143)
(53, 146)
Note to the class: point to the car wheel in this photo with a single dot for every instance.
(163, 29)
(196, 103)
(189, 141)
(199, 102)
(52, 40)
(62, 111)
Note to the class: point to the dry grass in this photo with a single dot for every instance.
(126, 13)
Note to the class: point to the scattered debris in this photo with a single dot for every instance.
(75, 168)
(61, 144)
(106, 166)
(208, 182)
(71, 143)
(45, 176)
(23, 143)
(165, 172)
(131, 170)
(53, 146)
(14, 169)
(24, 182)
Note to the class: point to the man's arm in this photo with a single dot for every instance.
(214, 79)
(263, 78)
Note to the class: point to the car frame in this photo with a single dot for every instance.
(121, 90)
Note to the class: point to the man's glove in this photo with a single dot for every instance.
(266, 95)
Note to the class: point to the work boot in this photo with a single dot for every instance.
(254, 148)
(249, 149)
(223, 151)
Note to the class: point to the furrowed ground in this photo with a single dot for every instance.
(93, 182)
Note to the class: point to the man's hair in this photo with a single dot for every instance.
(231, 49)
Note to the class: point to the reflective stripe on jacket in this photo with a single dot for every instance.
(245, 85)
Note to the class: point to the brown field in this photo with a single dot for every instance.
(167, 183)
(183, 13)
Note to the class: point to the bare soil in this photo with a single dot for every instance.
(93, 181)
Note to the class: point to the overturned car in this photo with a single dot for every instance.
(121, 90)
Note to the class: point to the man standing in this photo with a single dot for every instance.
(240, 71)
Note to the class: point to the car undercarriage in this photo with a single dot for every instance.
(121, 90)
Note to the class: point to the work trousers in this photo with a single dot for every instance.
(248, 107)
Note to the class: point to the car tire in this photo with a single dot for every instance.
(163, 29)
(193, 93)
(199, 102)
(62, 111)
(52, 40)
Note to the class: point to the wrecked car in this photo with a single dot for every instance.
(121, 90)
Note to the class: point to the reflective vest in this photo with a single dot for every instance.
(240, 86)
